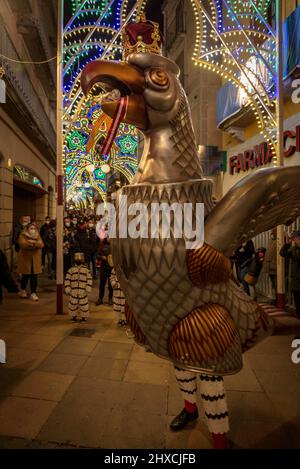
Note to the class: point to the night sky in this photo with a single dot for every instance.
(153, 11)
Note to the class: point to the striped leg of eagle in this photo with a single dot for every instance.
(213, 398)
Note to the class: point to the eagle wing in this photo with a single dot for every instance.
(257, 203)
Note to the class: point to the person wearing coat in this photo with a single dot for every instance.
(105, 271)
(6, 279)
(118, 299)
(293, 254)
(30, 259)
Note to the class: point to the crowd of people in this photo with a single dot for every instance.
(87, 256)
(250, 262)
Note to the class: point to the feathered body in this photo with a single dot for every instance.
(184, 304)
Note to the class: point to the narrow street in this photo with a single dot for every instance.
(68, 385)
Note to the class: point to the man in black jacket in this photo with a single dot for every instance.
(243, 256)
(105, 272)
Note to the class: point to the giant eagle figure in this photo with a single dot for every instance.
(184, 304)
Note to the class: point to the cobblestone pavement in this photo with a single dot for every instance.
(69, 385)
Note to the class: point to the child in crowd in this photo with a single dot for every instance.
(78, 283)
(118, 299)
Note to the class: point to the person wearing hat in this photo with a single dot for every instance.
(78, 283)
(292, 252)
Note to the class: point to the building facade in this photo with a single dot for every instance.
(27, 113)
(201, 86)
(246, 148)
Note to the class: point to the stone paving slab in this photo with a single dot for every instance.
(121, 351)
(9, 378)
(144, 372)
(25, 359)
(43, 385)
(108, 392)
(76, 346)
(21, 417)
(80, 418)
(63, 363)
(245, 380)
(33, 342)
(104, 368)
(150, 429)
(243, 405)
(278, 381)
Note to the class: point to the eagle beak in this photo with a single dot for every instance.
(129, 80)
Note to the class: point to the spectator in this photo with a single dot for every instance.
(254, 268)
(293, 254)
(6, 279)
(105, 271)
(43, 232)
(270, 263)
(18, 228)
(93, 245)
(83, 241)
(243, 256)
(50, 245)
(29, 259)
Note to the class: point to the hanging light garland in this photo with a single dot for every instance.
(93, 33)
(234, 40)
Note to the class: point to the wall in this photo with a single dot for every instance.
(14, 145)
(201, 86)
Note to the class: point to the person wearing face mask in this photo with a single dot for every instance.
(29, 259)
(18, 228)
(74, 222)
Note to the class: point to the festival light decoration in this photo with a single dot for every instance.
(235, 41)
(92, 31)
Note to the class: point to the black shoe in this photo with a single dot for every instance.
(83, 319)
(99, 302)
(182, 420)
(74, 319)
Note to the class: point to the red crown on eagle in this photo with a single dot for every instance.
(142, 36)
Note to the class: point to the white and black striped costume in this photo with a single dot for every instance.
(118, 297)
(212, 396)
(78, 283)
